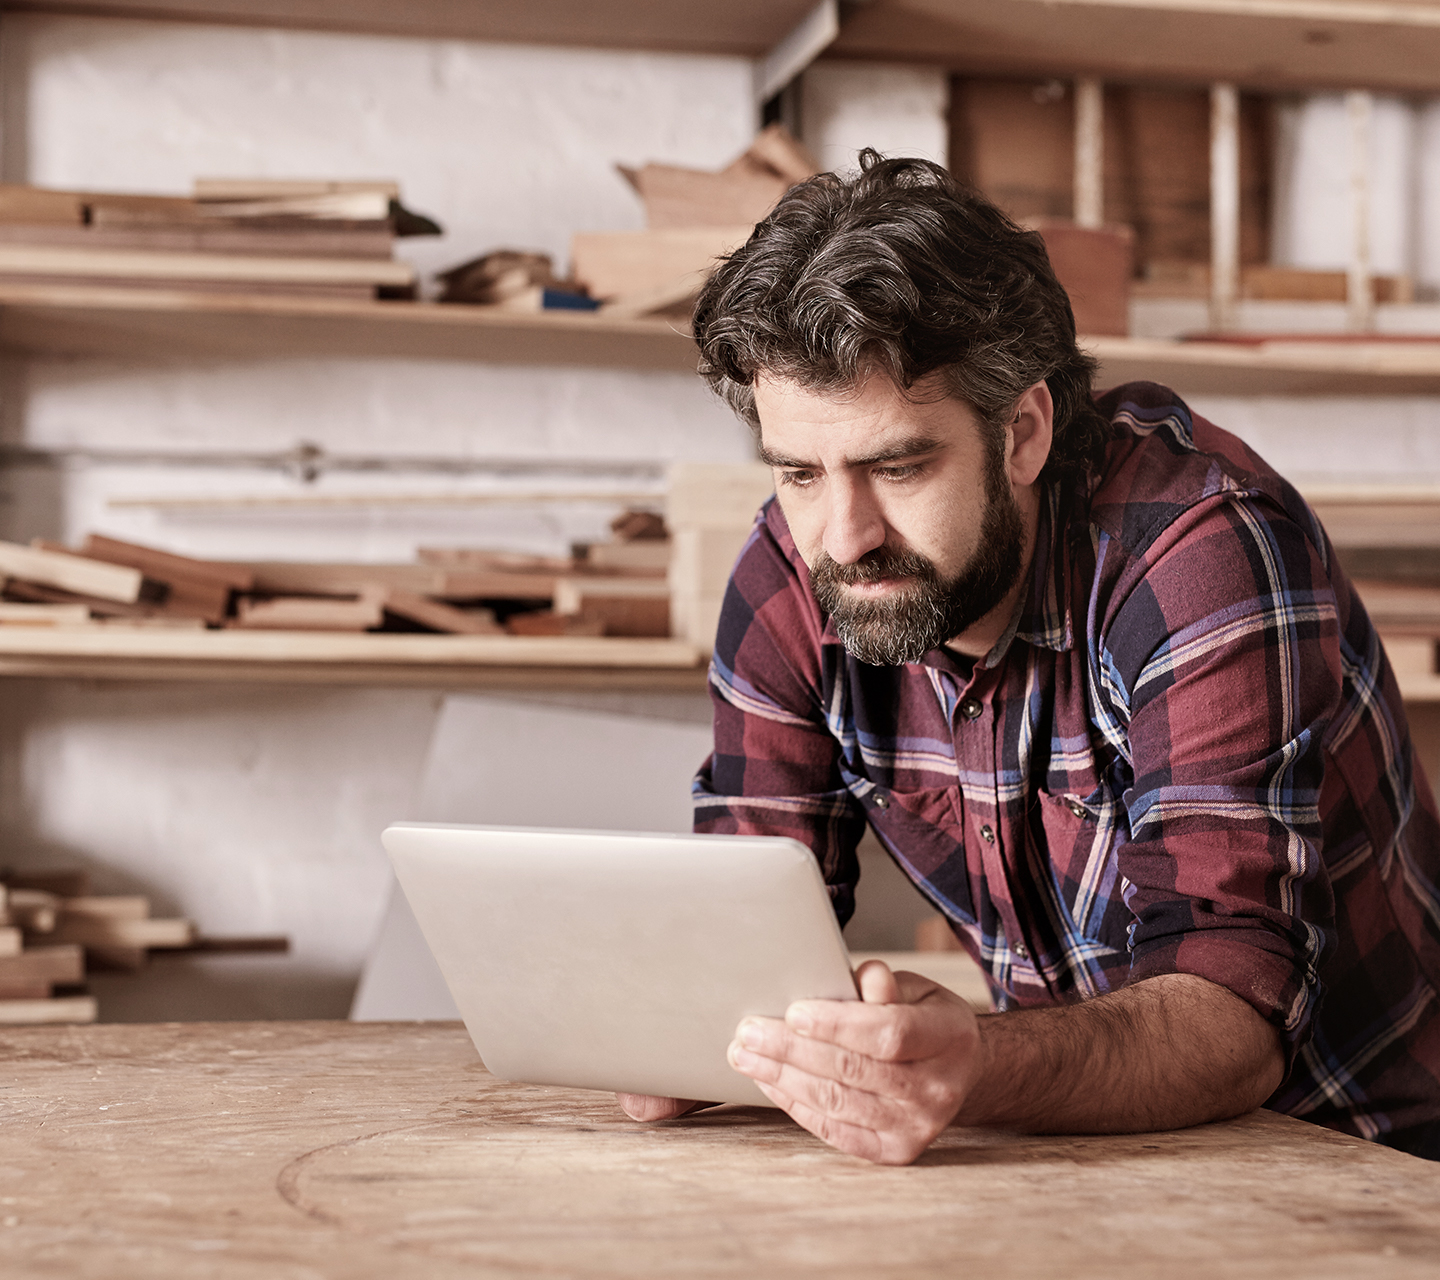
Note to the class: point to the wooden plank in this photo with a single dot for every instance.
(15, 614)
(1271, 368)
(165, 566)
(1089, 153)
(117, 906)
(616, 263)
(1359, 287)
(31, 909)
(70, 573)
(310, 613)
(44, 964)
(151, 323)
(53, 1010)
(746, 28)
(104, 932)
(60, 261)
(439, 616)
(371, 1151)
(1224, 205)
(259, 647)
(1280, 45)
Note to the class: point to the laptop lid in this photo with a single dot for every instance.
(619, 961)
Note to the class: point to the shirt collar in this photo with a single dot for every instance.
(1044, 615)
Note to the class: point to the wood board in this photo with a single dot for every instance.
(747, 28)
(371, 1151)
(1271, 45)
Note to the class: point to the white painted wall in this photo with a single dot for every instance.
(898, 110)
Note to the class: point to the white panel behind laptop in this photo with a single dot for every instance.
(513, 763)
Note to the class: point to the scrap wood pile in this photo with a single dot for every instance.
(51, 926)
(615, 588)
(53, 931)
(299, 239)
(692, 217)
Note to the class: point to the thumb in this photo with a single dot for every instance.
(877, 984)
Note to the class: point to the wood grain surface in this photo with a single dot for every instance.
(291, 1151)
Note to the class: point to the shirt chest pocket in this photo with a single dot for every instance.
(1075, 823)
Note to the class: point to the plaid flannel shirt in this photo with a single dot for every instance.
(1188, 754)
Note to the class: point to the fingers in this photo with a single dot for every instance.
(641, 1106)
(881, 1146)
(906, 1030)
(877, 984)
(841, 1083)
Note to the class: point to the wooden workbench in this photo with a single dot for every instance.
(282, 1151)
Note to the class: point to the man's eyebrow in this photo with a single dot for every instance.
(909, 447)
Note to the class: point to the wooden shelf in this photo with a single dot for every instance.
(1274, 45)
(749, 28)
(1272, 368)
(156, 324)
(295, 657)
(162, 324)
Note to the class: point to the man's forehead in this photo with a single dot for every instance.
(875, 412)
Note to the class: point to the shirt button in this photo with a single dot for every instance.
(1021, 951)
(987, 834)
(1075, 807)
(882, 801)
(971, 708)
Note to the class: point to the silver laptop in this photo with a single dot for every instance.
(609, 960)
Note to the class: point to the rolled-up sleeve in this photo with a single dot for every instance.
(1224, 657)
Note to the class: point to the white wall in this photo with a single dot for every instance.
(898, 110)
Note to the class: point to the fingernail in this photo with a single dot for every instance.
(740, 1059)
(749, 1034)
(798, 1018)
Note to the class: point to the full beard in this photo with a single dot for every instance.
(929, 609)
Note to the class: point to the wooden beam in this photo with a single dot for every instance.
(1268, 45)
(1359, 280)
(1089, 152)
(748, 28)
(1224, 205)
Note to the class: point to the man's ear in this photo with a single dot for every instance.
(1031, 432)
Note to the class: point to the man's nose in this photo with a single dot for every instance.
(854, 523)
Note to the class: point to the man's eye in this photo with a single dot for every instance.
(797, 479)
(907, 472)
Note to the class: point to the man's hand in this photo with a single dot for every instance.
(641, 1106)
(877, 1078)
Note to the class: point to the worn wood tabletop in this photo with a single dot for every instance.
(292, 1151)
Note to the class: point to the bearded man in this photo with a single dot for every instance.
(1094, 675)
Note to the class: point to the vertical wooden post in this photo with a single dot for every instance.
(1089, 153)
(1224, 205)
(1359, 284)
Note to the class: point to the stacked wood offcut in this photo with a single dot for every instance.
(298, 239)
(612, 588)
(52, 927)
(692, 217)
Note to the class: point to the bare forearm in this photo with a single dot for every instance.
(1172, 1051)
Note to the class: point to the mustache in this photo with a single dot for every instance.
(873, 566)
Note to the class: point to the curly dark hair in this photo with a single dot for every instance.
(902, 270)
